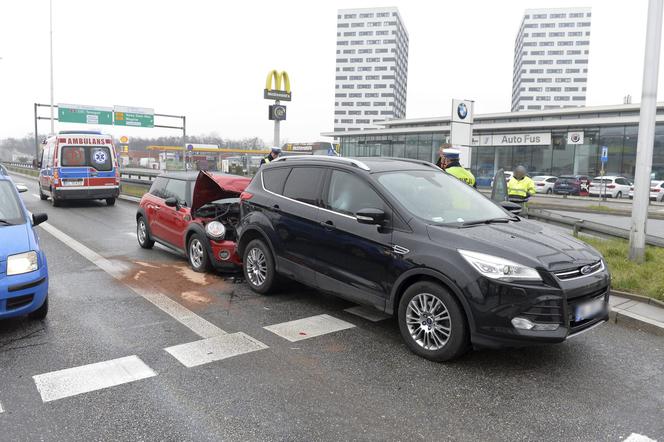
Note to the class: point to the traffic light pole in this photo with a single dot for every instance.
(277, 129)
(646, 136)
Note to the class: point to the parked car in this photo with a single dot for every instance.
(572, 185)
(611, 186)
(656, 191)
(194, 214)
(456, 270)
(23, 267)
(544, 183)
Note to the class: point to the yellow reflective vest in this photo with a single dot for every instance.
(523, 188)
(464, 175)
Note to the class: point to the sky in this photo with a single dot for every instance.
(208, 59)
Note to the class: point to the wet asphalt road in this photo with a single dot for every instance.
(356, 384)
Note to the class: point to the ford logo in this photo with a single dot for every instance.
(462, 110)
(586, 269)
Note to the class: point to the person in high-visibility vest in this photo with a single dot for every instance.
(520, 185)
(273, 155)
(452, 166)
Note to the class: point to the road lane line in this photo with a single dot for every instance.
(635, 437)
(2, 410)
(86, 378)
(186, 317)
(368, 313)
(35, 195)
(306, 328)
(214, 349)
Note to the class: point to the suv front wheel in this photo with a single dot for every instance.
(432, 322)
(259, 268)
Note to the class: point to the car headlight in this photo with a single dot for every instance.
(499, 268)
(215, 230)
(22, 263)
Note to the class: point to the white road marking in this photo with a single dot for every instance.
(35, 195)
(306, 328)
(635, 437)
(2, 410)
(86, 378)
(213, 349)
(132, 234)
(189, 319)
(368, 313)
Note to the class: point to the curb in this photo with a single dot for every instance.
(641, 298)
(633, 320)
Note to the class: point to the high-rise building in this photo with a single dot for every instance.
(551, 59)
(372, 67)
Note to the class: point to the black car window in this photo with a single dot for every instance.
(158, 187)
(551, 180)
(274, 179)
(98, 157)
(10, 210)
(303, 184)
(176, 189)
(348, 194)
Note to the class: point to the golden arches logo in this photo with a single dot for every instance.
(278, 79)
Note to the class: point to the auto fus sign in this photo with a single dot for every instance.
(462, 111)
(530, 139)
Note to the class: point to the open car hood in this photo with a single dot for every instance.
(210, 188)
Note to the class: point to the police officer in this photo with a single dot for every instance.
(440, 162)
(452, 166)
(273, 155)
(520, 186)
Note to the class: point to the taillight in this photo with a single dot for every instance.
(246, 196)
(656, 189)
(611, 186)
(631, 188)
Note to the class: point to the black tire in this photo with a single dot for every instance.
(55, 202)
(110, 201)
(549, 191)
(197, 254)
(147, 242)
(252, 261)
(42, 196)
(41, 312)
(457, 341)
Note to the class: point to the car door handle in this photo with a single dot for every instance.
(329, 225)
(276, 207)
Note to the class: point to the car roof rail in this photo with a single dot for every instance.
(351, 161)
(414, 161)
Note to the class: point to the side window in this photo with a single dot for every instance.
(274, 179)
(348, 194)
(176, 189)
(157, 188)
(551, 180)
(303, 184)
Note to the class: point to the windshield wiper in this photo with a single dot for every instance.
(4, 222)
(488, 221)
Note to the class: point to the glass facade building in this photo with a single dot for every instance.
(615, 127)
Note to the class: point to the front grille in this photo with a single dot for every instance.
(545, 312)
(19, 301)
(580, 271)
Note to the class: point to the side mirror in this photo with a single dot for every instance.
(511, 207)
(38, 218)
(171, 202)
(22, 188)
(371, 216)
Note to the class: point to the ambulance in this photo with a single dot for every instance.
(80, 165)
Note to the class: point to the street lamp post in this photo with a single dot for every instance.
(637, 234)
(50, 17)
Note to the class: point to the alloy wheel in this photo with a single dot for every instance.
(428, 321)
(142, 232)
(196, 253)
(256, 267)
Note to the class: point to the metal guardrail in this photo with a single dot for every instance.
(581, 225)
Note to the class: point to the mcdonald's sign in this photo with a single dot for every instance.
(276, 92)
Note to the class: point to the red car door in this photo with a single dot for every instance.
(172, 221)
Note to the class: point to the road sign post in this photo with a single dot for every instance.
(604, 158)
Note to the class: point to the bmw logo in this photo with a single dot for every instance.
(462, 110)
(575, 138)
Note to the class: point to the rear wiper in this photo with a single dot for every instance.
(488, 221)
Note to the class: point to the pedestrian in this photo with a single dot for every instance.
(273, 155)
(452, 166)
(520, 186)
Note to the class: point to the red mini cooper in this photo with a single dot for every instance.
(194, 214)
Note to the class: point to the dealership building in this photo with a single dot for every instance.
(548, 142)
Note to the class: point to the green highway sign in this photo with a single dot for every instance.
(133, 116)
(77, 113)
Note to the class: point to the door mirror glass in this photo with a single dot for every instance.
(21, 188)
(38, 218)
(371, 216)
(511, 207)
(171, 202)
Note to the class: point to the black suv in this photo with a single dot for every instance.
(410, 240)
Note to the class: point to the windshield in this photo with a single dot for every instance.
(98, 157)
(600, 181)
(10, 209)
(438, 197)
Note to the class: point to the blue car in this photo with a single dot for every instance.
(23, 268)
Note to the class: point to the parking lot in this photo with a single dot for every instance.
(200, 357)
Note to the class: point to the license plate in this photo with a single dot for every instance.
(72, 182)
(588, 309)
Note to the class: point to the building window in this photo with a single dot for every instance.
(546, 43)
(565, 43)
(373, 60)
(364, 68)
(544, 80)
(565, 25)
(341, 77)
(556, 34)
(342, 25)
(573, 52)
(371, 95)
(545, 61)
(371, 112)
(341, 95)
(381, 51)
(373, 77)
(531, 25)
(576, 15)
(342, 60)
(383, 14)
(539, 34)
(342, 43)
(560, 15)
(582, 43)
(536, 53)
(367, 15)
(357, 42)
(537, 71)
(365, 51)
(555, 52)
(548, 25)
(350, 16)
(355, 77)
(538, 16)
(379, 86)
(581, 61)
(552, 89)
(574, 34)
(577, 98)
(364, 86)
(543, 98)
(354, 95)
(347, 103)
(554, 71)
(357, 25)
(356, 60)
(571, 89)
(366, 33)
(349, 51)
(535, 89)
(563, 61)
(583, 24)
(572, 71)
(347, 86)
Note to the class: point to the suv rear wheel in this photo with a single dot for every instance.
(432, 322)
(198, 256)
(259, 268)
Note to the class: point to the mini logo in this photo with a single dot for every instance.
(462, 110)
(586, 269)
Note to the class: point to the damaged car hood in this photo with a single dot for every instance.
(211, 187)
